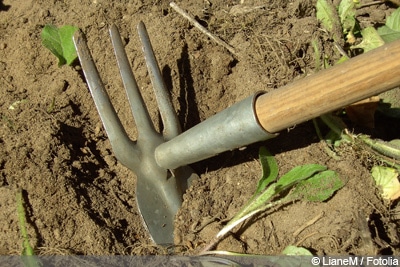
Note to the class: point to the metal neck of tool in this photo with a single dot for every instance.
(232, 128)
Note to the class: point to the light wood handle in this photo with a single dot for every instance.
(341, 85)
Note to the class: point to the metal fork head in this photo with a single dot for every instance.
(158, 191)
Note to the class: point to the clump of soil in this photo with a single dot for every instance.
(81, 200)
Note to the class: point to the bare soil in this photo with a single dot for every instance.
(80, 200)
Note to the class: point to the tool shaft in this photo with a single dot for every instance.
(242, 124)
(341, 85)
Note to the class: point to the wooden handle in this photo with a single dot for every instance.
(339, 86)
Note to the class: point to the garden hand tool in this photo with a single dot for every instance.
(158, 193)
(256, 118)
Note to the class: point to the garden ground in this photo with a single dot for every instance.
(80, 200)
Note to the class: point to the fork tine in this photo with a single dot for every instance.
(158, 193)
(140, 113)
(169, 118)
(125, 149)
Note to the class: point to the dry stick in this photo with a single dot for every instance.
(201, 28)
(341, 50)
(367, 244)
(314, 233)
(206, 222)
(274, 234)
(307, 224)
(306, 237)
(372, 3)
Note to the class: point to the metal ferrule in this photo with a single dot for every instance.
(232, 128)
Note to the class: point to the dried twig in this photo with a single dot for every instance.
(201, 28)
(307, 224)
(341, 50)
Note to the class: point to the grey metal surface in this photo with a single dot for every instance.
(232, 128)
(158, 193)
(170, 120)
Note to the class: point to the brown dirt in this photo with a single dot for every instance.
(80, 200)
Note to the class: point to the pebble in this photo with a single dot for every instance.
(57, 234)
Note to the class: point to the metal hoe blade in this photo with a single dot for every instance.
(158, 192)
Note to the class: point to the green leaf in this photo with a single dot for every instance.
(333, 139)
(269, 170)
(393, 21)
(371, 40)
(388, 35)
(298, 174)
(59, 42)
(386, 178)
(255, 205)
(319, 187)
(342, 59)
(347, 15)
(325, 14)
(334, 123)
(391, 31)
(326, 181)
(257, 201)
(296, 251)
(337, 125)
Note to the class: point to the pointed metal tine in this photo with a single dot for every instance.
(158, 193)
(119, 140)
(171, 124)
(140, 113)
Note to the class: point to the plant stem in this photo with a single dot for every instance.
(382, 147)
(29, 258)
(331, 153)
(27, 249)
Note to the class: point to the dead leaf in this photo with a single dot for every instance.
(387, 179)
(362, 113)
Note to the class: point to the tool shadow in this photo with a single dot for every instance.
(299, 137)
